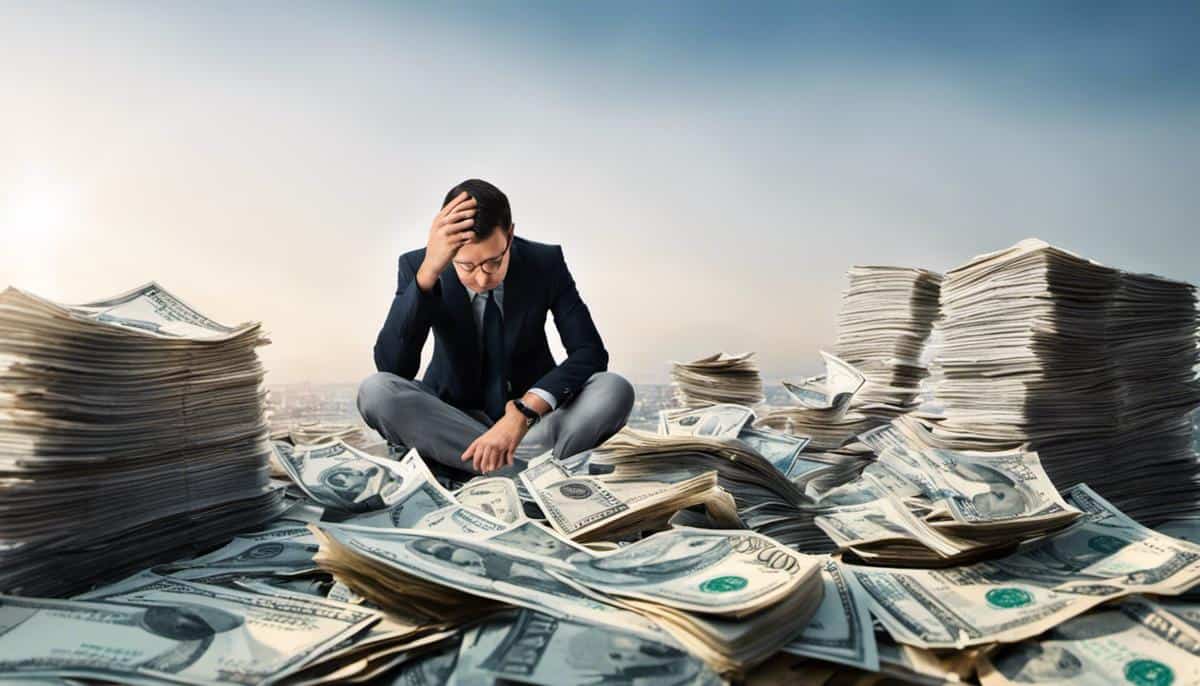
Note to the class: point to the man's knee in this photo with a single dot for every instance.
(616, 391)
(382, 390)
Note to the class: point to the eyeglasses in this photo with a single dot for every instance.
(489, 266)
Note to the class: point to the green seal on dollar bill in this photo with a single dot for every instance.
(1148, 673)
(1005, 598)
(724, 584)
(1106, 544)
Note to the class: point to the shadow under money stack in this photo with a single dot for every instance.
(132, 431)
(1092, 366)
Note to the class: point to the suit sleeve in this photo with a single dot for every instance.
(585, 350)
(398, 346)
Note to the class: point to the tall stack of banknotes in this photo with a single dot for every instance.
(131, 430)
(1091, 366)
(886, 316)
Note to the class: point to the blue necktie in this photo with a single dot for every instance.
(493, 359)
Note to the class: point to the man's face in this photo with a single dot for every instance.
(482, 254)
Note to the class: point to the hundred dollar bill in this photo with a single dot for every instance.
(582, 507)
(716, 572)
(154, 310)
(952, 608)
(280, 551)
(779, 448)
(174, 631)
(722, 420)
(495, 497)
(1137, 642)
(841, 631)
(459, 519)
(416, 495)
(339, 476)
(531, 537)
(831, 390)
(1104, 553)
(540, 649)
(874, 525)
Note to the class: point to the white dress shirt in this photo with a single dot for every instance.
(478, 305)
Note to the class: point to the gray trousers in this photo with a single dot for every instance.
(407, 411)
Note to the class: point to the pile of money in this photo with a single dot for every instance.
(718, 378)
(822, 411)
(845, 538)
(131, 431)
(1102, 557)
(1093, 367)
(731, 598)
(919, 504)
(608, 507)
(741, 470)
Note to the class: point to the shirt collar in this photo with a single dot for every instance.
(471, 293)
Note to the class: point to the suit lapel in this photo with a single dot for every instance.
(516, 295)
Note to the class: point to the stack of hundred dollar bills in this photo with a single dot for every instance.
(131, 430)
(1092, 367)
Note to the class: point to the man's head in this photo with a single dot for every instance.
(489, 250)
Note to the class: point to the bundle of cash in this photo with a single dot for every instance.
(731, 598)
(821, 412)
(1094, 368)
(587, 508)
(131, 431)
(718, 378)
(741, 470)
(920, 504)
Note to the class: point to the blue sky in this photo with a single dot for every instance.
(711, 169)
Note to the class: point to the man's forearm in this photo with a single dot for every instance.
(426, 277)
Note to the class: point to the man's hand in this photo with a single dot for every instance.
(495, 448)
(451, 230)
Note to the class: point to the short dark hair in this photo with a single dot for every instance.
(491, 209)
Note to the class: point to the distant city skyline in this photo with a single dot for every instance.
(710, 169)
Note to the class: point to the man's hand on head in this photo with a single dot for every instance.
(496, 447)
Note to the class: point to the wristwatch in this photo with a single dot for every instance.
(531, 415)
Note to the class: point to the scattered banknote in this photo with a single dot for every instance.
(537, 648)
(590, 507)
(174, 631)
(1137, 641)
(831, 390)
(841, 631)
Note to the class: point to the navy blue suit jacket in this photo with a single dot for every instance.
(537, 282)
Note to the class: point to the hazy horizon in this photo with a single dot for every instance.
(710, 170)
